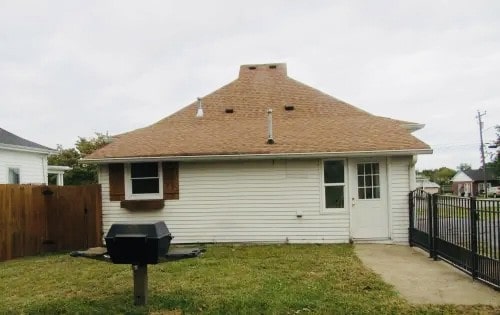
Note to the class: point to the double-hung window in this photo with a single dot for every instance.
(334, 184)
(144, 181)
(14, 177)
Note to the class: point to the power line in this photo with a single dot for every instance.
(437, 146)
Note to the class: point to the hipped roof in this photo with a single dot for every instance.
(478, 175)
(318, 123)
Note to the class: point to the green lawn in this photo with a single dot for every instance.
(272, 279)
(461, 212)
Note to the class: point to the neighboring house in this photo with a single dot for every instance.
(58, 171)
(225, 169)
(22, 161)
(471, 182)
(426, 185)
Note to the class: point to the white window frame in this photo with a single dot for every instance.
(324, 209)
(128, 184)
(8, 174)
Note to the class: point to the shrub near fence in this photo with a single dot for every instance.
(36, 219)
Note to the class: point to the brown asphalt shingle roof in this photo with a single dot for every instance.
(318, 123)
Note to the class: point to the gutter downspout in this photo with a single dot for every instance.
(412, 185)
(45, 172)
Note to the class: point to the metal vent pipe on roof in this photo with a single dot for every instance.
(270, 139)
(199, 112)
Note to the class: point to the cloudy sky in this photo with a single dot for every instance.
(73, 68)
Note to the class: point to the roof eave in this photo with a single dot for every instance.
(259, 156)
(412, 127)
(59, 168)
(26, 149)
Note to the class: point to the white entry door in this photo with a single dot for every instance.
(368, 199)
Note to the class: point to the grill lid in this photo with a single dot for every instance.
(146, 229)
(138, 243)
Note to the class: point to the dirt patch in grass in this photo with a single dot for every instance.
(270, 279)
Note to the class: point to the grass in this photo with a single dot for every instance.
(271, 279)
(461, 212)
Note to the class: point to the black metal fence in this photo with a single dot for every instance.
(462, 231)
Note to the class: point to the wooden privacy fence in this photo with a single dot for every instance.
(37, 219)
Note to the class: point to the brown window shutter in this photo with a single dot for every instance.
(116, 182)
(170, 180)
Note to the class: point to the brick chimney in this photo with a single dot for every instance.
(274, 69)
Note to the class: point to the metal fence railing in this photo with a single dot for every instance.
(462, 231)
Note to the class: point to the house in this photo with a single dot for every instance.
(471, 182)
(265, 158)
(428, 186)
(58, 172)
(22, 161)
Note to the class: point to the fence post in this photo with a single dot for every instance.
(435, 229)
(473, 236)
(411, 206)
(429, 225)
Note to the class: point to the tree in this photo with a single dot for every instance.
(444, 175)
(441, 175)
(85, 147)
(495, 156)
(464, 167)
(81, 174)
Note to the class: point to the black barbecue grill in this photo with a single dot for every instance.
(138, 244)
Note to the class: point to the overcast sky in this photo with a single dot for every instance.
(73, 68)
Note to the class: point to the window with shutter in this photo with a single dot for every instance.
(170, 180)
(116, 182)
(144, 181)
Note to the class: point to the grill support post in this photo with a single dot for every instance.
(140, 284)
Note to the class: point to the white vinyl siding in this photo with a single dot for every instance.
(259, 201)
(243, 201)
(399, 188)
(32, 166)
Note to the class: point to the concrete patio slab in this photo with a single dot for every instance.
(422, 280)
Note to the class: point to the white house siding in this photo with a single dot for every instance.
(242, 201)
(32, 166)
(399, 187)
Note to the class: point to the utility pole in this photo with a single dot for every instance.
(479, 116)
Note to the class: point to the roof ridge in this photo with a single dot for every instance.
(330, 96)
